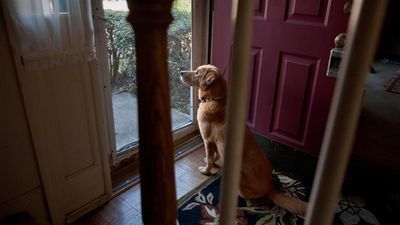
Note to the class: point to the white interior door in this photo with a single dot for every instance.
(66, 121)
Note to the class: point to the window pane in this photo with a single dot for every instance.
(179, 53)
(122, 69)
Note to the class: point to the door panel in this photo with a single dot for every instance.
(290, 94)
(254, 77)
(259, 8)
(83, 178)
(307, 12)
(292, 99)
(77, 143)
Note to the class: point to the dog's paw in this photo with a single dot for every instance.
(209, 171)
(204, 170)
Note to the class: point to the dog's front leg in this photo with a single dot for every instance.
(209, 159)
(213, 156)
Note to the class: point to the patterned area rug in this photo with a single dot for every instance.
(201, 206)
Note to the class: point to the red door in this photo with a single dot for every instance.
(290, 94)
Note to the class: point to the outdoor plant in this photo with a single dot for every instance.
(122, 55)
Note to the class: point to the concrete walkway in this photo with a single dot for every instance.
(126, 118)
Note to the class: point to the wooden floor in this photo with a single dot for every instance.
(125, 208)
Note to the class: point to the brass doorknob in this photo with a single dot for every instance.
(340, 40)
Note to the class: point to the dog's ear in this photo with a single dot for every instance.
(213, 69)
(208, 79)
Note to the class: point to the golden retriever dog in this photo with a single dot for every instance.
(256, 171)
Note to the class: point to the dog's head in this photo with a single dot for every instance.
(207, 78)
(202, 77)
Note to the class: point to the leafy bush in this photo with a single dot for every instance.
(179, 52)
(122, 55)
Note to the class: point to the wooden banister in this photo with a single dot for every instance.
(150, 20)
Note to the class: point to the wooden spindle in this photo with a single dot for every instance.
(150, 20)
(242, 14)
(366, 18)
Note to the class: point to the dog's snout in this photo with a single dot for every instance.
(185, 72)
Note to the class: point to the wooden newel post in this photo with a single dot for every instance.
(150, 20)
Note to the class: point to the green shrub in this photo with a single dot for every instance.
(122, 55)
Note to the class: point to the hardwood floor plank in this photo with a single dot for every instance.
(125, 209)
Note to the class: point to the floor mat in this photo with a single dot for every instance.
(201, 206)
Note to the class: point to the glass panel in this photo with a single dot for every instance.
(179, 58)
(122, 60)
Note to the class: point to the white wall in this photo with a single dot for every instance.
(20, 186)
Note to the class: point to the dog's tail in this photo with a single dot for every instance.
(289, 203)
